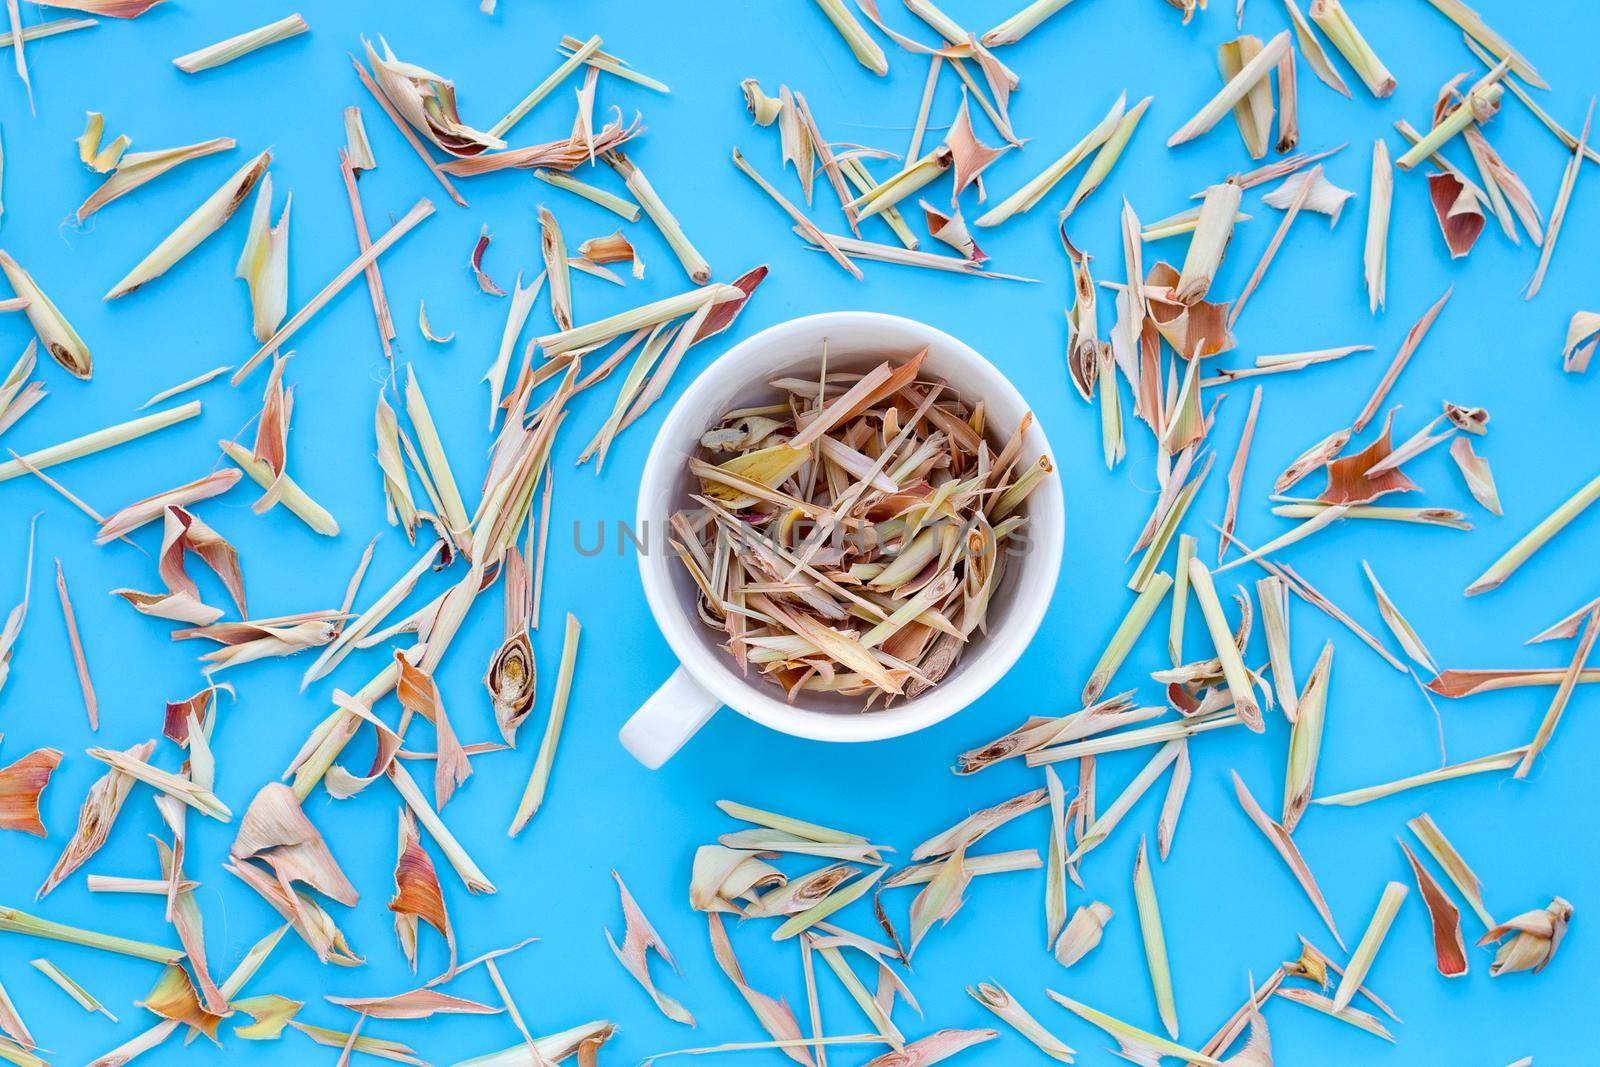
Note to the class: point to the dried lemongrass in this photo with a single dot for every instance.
(1018, 26)
(1147, 1047)
(242, 44)
(275, 831)
(1367, 950)
(1305, 739)
(1414, 337)
(1257, 69)
(908, 180)
(357, 149)
(1445, 854)
(1567, 627)
(1376, 256)
(176, 786)
(71, 988)
(1569, 179)
(1331, 17)
(19, 922)
(1035, 189)
(136, 168)
(1519, 553)
(464, 866)
(1187, 546)
(610, 201)
(1155, 945)
(1005, 1006)
(1238, 677)
(183, 387)
(1210, 241)
(264, 262)
(1126, 636)
(1236, 470)
(1500, 761)
(419, 211)
(1287, 850)
(41, 30)
(1107, 155)
(75, 642)
(694, 264)
(201, 223)
(1450, 952)
(1478, 104)
(1321, 195)
(1176, 225)
(96, 816)
(1354, 1016)
(151, 508)
(813, 232)
(1477, 30)
(1463, 683)
(60, 340)
(573, 61)
(639, 939)
(1254, 112)
(595, 334)
(935, 1048)
(1535, 936)
(1402, 630)
(1101, 827)
(289, 492)
(1520, 93)
(859, 249)
(1558, 703)
(1460, 216)
(1172, 806)
(867, 51)
(427, 328)
(413, 1004)
(1082, 933)
(21, 784)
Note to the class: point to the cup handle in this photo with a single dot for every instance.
(672, 715)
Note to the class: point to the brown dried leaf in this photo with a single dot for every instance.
(1458, 211)
(20, 786)
(413, 1004)
(276, 831)
(1448, 948)
(417, 894)
(420, 696)
(1349, 482)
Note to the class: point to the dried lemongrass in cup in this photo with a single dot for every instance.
(848, 535)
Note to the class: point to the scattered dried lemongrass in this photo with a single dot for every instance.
(1567, 627)
(1272, 594)
(289, 493)
(1035, 189)
(812, 231)
(1376, 256)
(1082, 934)
(151, 508)
(1003, 1004)
(694, 264)
(1500, 761)
(90, 704)
(1569, 179)
(242, 44)
(136, 168)
(1187, 547)
(1535, 937)
(1258, 68)
(1445, 854)
(1450, 952)
(1155, 945)
(427, 328)
(1531, 542)
(96, 816)
(21, 784)
(1107, 155)
(1147, 1047)
(1305, 739)
(1213, 230)
(859, 249)
(1126, 636)
(1479, 31)
(1394, 894)
(573, 61)
(1456, 207)
(71, 988)
(1478, 104)
(400, 123)
(1413, 338)
(60, 340)
(1402, 630)
(1331, 17)
(1230, 512)
(176, 786)
(1254, 112)
(1239, 681)
(183, 387)
(1286, 849)
(1018, 26)
(1463, 683)
(419, 211)
(413, 1004)
(275, 831)
(1354, 1016)
(610, 201)
(1558, 703)
(1101, 827)
(539, 778)
(638, 940)
(264, 262)
(935, 1048)
(18, 922)
(867, 51)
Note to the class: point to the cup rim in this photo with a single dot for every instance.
(1003, 646)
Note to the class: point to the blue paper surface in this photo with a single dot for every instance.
(1229, 907)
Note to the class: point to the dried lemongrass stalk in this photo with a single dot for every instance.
(419, 211)
(1331, 17)
(862, 46)
(1238, 677)
(694, 264)
(539, 778)
(1477, 105)
(855, 172)
(40, 30)
(800, 219)
(1287, 850)
(242, 44)
(1024, 22)
(1254, 112)
(1567, 627)
(1256, 70)
(1519, 553)
(1520, 93)
(96, 816)
(1005, 1006)
(202, 223)
(1376, 256)
(1147, 1047)
(375, 291)
(1535, 937)
(1558, 703)
(471, 876)
(1367, 950)
(1414, 337)
(357, 149)
(151, 508)
(1035, 189)
(1403, 631)
(289, 492)
(572, 62)
(80, 662)
(1475, 471)
(1082, 933)
(610, 201)
(1123, 740)
(1288, 104)
(1272, 594)
(1305, 739)
(1463, 683)
(1450, 952)
(1569, 180)
(183, 387)
(99, 441)
(935, 1048)
(1322, 196)
(18, 922)
(639, 939)
(1187, 546)
(1354, 1016)
(1479, 31)
(84, 998)
(1107, 155)
(1500, 761)
(60, 340)
(859, 249)
(1210, 241)
(1236, 471)
(176, 786)
(427, 328)
(1581, 341)
(1126, 636)
(908, 180)
(1181, 223)
(1101, 827)
(1155, 944)
(136, 168)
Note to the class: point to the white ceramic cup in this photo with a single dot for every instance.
(708, 678)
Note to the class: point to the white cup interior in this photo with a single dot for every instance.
(855, 341)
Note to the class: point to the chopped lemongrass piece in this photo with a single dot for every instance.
(90, 704)
(895, 188)
(573, 61)
(1414, 337)
(17, 922)
(99, 441)
(1155, 943)
(855, 172)
(1236, 472)
(1082, 934)
(1519, 553)
(1305, 509)
(1402, 630)
(1272, 594)
(859, 249)
(264, 262)
(41, 30)
(1176, 225)
(1463, 683)
(1331, 17)
(243, 44)
(1288, 851)
(595, 334)
(61, 342)
(1479, 102)
(289, 492)
(1449, 950)
(1101, 828)
(694, 264)
(427, 328)
(1210, 241)
(539, 779)
(867, 51)
(994, 997)
(1569, 179)
(610, 201)
(1445, 854)
(1123, 740)
(1479, 31)
(1558, 703)
(1149, 1046)
(85, 999)
(1258, 69)
(1107, 156)
(1475, 469)
(202, 223)
(1520, 93)
(1354, 1016)
(183, 387)
(1500, 761)
(136, 168)
(799, 217)
(1238, 676)
(471, 875)
(1394, 894)
(1172, 806)
(1253, 113)
(357, 149)
(1187, 546)
(1022, 23)
(177, 786)
(1126, 636)
(1376, 256)
(1035, 189)
(1305, 738)
(1026, 859)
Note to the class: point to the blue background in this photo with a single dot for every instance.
(1228, 904)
